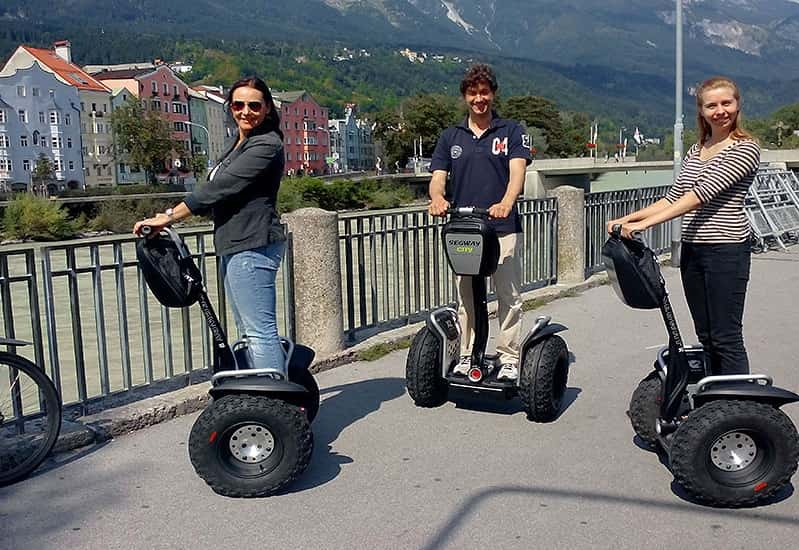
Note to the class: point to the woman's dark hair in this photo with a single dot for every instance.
(272, 120)
(477, 73)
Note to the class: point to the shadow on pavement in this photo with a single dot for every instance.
(470, 509)
(350, 403)
(483, 402)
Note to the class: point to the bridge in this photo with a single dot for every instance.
(581, 172)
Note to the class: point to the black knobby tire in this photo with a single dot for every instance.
(423, 370)
(304, 378)
(645, 408)
(543, 378)
(766, 468)
(21, 452)
(224, 419)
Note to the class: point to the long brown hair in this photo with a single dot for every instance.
(738, 132)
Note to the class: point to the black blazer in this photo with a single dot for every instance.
(242, 196)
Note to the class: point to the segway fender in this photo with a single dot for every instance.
(746, 391)
(258, 385)
(536, 336)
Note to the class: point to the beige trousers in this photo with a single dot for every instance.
(507, 282)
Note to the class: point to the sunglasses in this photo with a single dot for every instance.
(255, 106)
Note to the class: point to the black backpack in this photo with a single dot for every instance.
(170, 272)
(634, 273)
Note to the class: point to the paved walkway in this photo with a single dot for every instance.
(475, 474)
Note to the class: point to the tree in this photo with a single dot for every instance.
(43, 173)
(143, 138)
(198, 164)
(537, 112)
(423, 116)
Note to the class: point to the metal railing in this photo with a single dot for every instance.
(607, 205)
(104, 331)
(394, 269)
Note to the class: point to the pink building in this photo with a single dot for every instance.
(160, 90)
(306, 138)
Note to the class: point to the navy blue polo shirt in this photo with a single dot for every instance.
(479, 168)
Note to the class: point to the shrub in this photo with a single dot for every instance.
(28, 217)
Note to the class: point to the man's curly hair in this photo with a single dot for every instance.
(477, 73)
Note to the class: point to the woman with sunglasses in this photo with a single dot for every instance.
(241, 196)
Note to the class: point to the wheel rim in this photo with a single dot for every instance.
(251, 444)
(733, 452)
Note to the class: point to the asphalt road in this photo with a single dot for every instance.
(472, 474)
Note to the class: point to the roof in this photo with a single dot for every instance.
(288, 97)
(71, 73)
(123, 74)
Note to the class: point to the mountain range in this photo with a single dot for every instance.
(600, 47)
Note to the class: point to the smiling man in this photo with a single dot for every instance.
(485, 157)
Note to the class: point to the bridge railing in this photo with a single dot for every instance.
(95, 327)
(394, 269)
(607, 205)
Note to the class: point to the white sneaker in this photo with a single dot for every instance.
(508, 371)
(463, 366)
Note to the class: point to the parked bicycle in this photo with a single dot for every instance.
(30, 414)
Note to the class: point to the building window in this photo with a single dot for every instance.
(2, 116)
(72, 165)
(166, 88)
(155, 86)
(288, 155)
(5, 164)
(53, 117)
(59, 165)
(101, 149)
(35, 92)
(105, 108)
(166, 107)
(42, 119)
(21, 91)
(52, 93)
(4, 144)
(36, 137)
(26, 165)
(23, 141)
(67, 119)
(82, 106)
(55, 142)
(69, 143)
(23, 116)
(121, 167)
(175, 89)
(176, 107)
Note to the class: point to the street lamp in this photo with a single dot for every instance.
(676, 227)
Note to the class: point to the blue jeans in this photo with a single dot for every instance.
(250, 284)
(714, 277)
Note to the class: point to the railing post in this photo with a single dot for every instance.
(317, 279)
(571, 233)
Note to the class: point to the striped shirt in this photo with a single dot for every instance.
(721, 183)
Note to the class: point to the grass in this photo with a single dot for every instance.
(378, 351)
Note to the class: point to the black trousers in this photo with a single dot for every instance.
(714, 277)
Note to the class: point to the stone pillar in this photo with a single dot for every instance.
(571, 233)
(318, 310)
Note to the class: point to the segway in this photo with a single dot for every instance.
(727, 440)
(472, 250)
(254, 438)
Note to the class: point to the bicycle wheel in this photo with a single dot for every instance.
(30, 417)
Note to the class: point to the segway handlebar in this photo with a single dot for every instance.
(146, 230)
(467, 210)
(638, 236)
